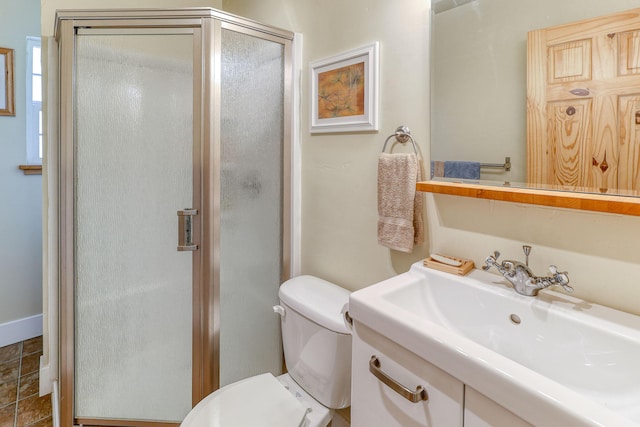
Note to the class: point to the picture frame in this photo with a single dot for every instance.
(344, 91)
(7, 101)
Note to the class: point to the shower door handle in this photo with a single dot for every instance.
(185, 230)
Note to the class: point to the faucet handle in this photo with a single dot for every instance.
(491, 260)
(561, 278)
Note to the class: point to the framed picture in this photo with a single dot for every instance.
(344, 91)
(7, 103)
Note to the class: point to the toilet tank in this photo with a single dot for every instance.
(317, 339)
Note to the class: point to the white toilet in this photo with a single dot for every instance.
(317, 351)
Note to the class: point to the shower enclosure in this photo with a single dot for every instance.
(174, 208)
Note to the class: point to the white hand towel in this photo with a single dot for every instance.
(400, 224)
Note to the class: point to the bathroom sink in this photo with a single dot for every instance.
(551, 359)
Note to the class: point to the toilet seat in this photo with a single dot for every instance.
(257, 401)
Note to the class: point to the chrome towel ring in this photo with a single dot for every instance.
(402, 135)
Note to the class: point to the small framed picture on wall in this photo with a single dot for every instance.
(7, 102)
(344, 91)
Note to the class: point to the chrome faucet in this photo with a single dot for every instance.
(522, 278)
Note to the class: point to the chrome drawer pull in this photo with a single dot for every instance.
(413, 396)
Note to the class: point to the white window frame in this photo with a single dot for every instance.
(34, 109)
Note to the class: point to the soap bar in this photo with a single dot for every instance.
(446, 260)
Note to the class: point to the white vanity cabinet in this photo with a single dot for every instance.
(450, 403)
(475, 345)
(374, 404)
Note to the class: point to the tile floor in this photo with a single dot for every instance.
(20, 405)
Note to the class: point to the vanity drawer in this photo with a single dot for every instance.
(374, 403)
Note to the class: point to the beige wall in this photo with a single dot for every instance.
(339, 213)
(600, 251)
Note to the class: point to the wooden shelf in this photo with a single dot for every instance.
(31, 169)
(559, 199)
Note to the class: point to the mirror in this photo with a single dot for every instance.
(479, 77)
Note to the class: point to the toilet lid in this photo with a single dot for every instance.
(257, 401)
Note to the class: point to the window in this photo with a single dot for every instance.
(34, 101)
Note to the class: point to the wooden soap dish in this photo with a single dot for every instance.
(461, 270)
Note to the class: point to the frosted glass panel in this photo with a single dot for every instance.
(134, 102)
(251, 206)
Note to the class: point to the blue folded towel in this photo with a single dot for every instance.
(463, 170)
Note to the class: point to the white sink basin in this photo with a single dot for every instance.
(551, 359)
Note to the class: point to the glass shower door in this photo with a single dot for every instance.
(252, 230)
(134, 169)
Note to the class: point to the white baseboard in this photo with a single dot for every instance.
(20, 330)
